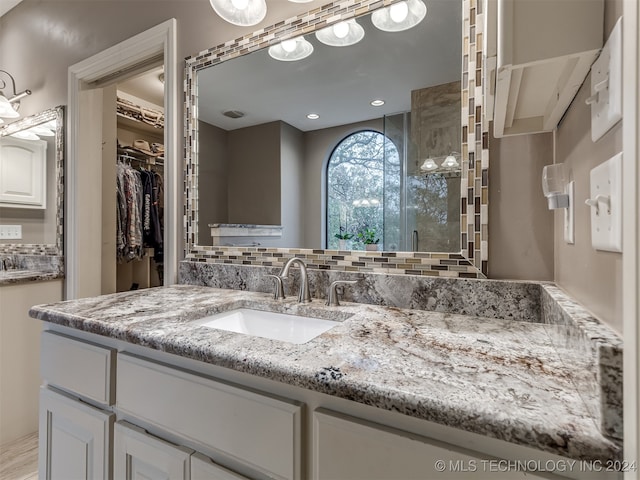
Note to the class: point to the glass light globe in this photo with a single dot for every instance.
(399, 11)
(450, 162)
(25, 135)
(240, 12)
(399, 16)
(429, 165)
(289, 45)
(341, 34)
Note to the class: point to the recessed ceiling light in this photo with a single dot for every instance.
(377, 103)
(313, 116)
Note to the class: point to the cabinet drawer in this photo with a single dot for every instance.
(256, 430)
(79, 367)
(349, 448)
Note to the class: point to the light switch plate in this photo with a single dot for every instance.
(10, 232)
(568, 216)
(606, 110)
(606, 222)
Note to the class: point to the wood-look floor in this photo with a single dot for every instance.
(19, 459)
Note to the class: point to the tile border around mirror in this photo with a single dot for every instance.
(56, 113)
(472, 261)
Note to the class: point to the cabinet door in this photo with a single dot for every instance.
(346, 448)
(23, 173)
(140, 456)
(203, 468)
(74, 439)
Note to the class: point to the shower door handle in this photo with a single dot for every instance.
(414, 241)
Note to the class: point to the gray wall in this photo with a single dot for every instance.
(593, 277)
(212, 178)
(254, 174)
(292, 193)
(520, 224)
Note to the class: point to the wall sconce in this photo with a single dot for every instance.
(7, 109)
(554, 186)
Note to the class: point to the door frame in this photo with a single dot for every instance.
(158, 40)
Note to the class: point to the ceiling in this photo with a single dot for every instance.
(146, 86)
(338, 83)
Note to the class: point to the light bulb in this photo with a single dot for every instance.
(341, 30)
(240, 4)
(289, 45)
(399, 11)
(429, 164)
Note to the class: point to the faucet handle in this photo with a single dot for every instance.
(278, 294)
(332, 298)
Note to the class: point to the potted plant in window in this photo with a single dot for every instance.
(369, 238)
(342, 237)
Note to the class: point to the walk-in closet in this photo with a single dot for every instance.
(133, 183)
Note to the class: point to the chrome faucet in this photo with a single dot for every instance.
(332, 297)
(304, 295)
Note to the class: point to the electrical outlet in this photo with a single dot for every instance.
(10, 232)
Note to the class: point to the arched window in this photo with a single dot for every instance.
(356, 180)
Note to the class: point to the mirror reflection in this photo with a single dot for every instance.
(354, 145)
(31, 188)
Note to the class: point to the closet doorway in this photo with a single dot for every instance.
(92, 138)
(133, 182)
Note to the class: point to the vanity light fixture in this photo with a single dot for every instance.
(450, 161)
(428, 165)
(25, 135)
(291, 50)
(341, 34)
(7, 109)
(377, 103)
(243, 13)
(399, 16)
(42, 131)
(313, 116)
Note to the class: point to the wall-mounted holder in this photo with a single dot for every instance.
(605, 201)
(559, 193)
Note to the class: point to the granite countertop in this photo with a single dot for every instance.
(8, 277)
(501, 378)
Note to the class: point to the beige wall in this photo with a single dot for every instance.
(520, 224)
(20, 356)
(592, 277)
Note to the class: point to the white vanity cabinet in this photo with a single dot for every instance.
(138, 455)
(349, 448)
(121, 411)
(23, 173)
(74, 439)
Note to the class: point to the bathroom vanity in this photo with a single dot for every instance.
(135, 384)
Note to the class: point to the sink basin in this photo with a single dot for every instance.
(273, 325)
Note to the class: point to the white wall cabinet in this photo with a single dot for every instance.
(537, 55)
(203, 468)
(138, 456)
(23, 173)
(75, 439)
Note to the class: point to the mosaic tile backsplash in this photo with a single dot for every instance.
(472, 261)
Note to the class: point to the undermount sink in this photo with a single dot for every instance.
(273, 325)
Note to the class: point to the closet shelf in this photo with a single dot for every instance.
(129, 123)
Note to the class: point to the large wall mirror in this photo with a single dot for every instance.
(373, 142)
(32, 186)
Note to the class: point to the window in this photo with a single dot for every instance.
(355, 190)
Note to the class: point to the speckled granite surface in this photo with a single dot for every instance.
(500, 378)
(484, 298)
(30, 268)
